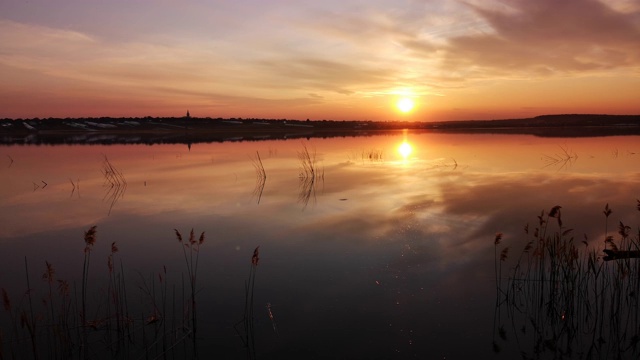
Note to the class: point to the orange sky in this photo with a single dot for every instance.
(320, 60)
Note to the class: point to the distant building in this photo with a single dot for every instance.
(188, 115)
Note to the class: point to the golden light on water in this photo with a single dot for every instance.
(405, 149)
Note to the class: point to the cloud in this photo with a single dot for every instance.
(546, 37)
(52, 64)
(323, 74)
(344, 52)
(15, 34)
(42, 48)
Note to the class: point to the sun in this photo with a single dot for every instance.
(405, 105)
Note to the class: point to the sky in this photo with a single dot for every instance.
(330, 59)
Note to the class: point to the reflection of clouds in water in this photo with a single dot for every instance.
(457, 222)
(511, 201)
(405, 252)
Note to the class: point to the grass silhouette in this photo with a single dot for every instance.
(562, 298)
(71, 324)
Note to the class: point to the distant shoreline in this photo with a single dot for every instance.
(150, 130)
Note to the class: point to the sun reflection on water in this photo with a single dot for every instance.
(405, 149)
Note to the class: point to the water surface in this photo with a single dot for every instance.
(382, 255)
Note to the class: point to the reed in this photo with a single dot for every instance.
(308, 163)
(8, 308)
(30, 320)
(247, 333)
(373, 155)
(564, 299)
(562, 159)
(258, 166)
(90, 240)
(309, 175)
(75, 187)
(72, 324)
(115, 183)
(261, 176)
(503, 257)
(191, 251)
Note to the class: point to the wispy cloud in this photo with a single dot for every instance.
(545, 38)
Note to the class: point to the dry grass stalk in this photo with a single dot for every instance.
(562, 160)
(261, 177)
(115, 183)
(307, 163)
(372, 155)
(309, 175)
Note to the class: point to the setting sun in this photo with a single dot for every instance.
(405, 105)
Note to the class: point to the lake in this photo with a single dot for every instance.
(368, 248)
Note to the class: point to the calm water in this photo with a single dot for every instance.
(383, 255)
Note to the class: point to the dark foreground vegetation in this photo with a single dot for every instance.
(152, 318)
(563, 297)
(188, 129)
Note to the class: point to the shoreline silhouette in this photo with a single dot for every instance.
(150, 130)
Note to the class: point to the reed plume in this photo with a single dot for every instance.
(623, 230)
(504, 254)
(256, 256)
(607, 211)
(497, 239)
